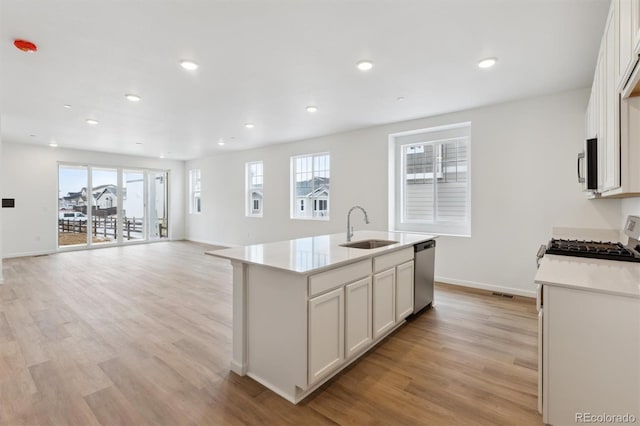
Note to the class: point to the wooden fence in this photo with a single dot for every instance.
(104, 226)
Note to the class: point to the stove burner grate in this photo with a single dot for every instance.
(592, 249)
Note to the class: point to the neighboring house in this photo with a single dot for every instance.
(256, 201)
(312, 197)
(107, 197)
(74, 199)
(133, 198)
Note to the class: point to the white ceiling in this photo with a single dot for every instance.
(264, 61)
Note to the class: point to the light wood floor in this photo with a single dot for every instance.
(142, 335)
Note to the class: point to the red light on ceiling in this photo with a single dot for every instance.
(25, 46)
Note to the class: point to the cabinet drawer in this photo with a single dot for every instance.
(390, 260)
(342, 275)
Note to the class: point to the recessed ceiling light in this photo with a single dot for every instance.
(67, 106)
(364, 65)
(221, 143)
(32, 135)
(133, 98)
(487, 63)
(139, 143)
(400, 98)
(91, 121)
(161, 155)
(188, 65)
(249, 125)
(53, 145)
(312, 108)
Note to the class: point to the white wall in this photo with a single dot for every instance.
(630, 206)
(30, 175)
(523, 184)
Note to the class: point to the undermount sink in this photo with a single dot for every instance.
(368, 244)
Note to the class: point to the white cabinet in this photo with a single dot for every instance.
(635, 25)
(626, 38)
(404, 290)
(392, 290)
(612, 109)
(590, 352)
(384, 289)
(302, 328)
(358, 328)
(609, 136)
(326, 334)
(591, 119)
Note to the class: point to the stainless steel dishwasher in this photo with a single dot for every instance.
(424, 258)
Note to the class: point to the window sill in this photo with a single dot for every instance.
(321, 219)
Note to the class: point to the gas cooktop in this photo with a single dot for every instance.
(592, 249)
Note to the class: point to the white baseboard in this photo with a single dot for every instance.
(28, 254)
(490, 287)
(212, 243)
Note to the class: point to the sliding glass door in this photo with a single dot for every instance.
(104, 212)
(73, 199)
(101, 206)
(133, 206)
(158, 217)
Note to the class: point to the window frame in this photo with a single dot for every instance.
(428, 136)
(195, 207)
(299, 210)
(250, 189)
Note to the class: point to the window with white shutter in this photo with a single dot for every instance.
(431, 171)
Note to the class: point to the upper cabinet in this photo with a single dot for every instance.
(611, 114)
(635, 25)
(626, 33)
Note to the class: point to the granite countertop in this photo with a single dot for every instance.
(314, 254)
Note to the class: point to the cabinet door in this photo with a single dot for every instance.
(326, 334)
(626, 37)
(404, 290)
(384, 316)
(635, 25)
(358, 329)
(601, 115)
(610, 161)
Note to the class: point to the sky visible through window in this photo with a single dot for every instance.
(73, 179)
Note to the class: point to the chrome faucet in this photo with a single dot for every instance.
(349, 227)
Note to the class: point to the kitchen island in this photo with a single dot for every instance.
(304, 309)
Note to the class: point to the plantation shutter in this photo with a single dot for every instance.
(434, 182)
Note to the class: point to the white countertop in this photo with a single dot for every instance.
(313, 254)
(606, 276)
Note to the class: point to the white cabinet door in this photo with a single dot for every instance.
(610, 140)
(635, 25)
(384, 289)
(326, 334)
(626, 37)
(404, 290)
(358, 329)
(590, 124)
(590, 354)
